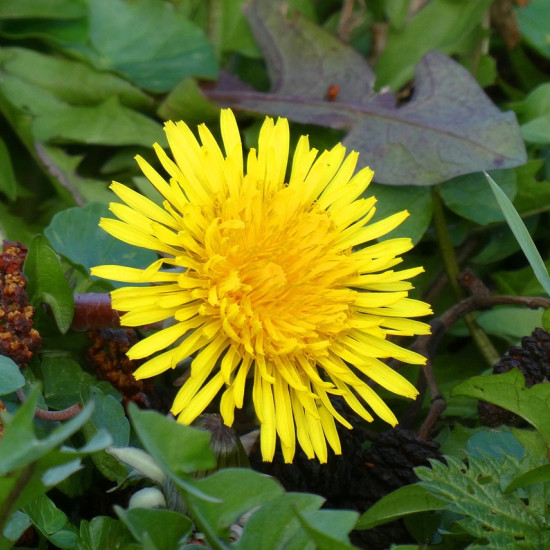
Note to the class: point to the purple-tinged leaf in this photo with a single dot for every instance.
(448, 128)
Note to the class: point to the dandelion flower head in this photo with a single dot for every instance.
(272, 281)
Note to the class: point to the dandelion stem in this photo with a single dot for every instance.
(481, 339)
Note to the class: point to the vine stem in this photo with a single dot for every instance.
(481, 339)
(14, 494)
(52, 416)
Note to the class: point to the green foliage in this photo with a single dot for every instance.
(85, 86)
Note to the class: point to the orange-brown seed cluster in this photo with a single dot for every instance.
(18, 340)
(107, 355)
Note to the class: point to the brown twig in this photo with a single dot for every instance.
(51, 416)
(427, 345)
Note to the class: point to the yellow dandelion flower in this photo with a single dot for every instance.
(268, 279)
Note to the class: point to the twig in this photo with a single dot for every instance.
(52, 416)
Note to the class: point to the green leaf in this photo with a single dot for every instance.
(449, 22)
(58, 9)
(329, 528)
(522, 235)
(469, 197)
(70, 81)
(179, 449)
(108, 415)
(239, 490)
(66, 383)
(155, 61)
(475, 492)
(47, 283)
(448, 128)
(163, 528)
(508, 391)
(510, 323)
(8, 183)
(401, 502)
(275, 525)
(16, 526)
(51, 521)
(417, 200)
(541, 474)
(497, 443)
(11, 378)
(19, 445)
(534, 21)
(103, 532)
(91, 245)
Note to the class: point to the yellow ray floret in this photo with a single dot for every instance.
(270, 276)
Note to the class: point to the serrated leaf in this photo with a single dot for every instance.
(91, 245)
(47, 283)
(11, 378)
(475, 492)
(448, 128)
(522, 235)
(410, 499)
(508, 391)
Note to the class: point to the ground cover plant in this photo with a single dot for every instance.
(238, 346)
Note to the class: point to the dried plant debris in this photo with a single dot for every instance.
(18, 340)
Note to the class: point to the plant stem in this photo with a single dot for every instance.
(481, 339)
(14, 494)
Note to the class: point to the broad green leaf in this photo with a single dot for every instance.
(103, 532)
(522, 235)
(8, 183)
(11, 378)
(16, 526)
(47, 283)
(534, 20)
(449, 22)
(108, 415)
(508, 391)
(58, 9)
(401, 502)
(91, 245)
(148, 41)
(66, 383)
(468, 196)
(70, 81)
(51, 521)
(163, 528)
(239, 490)
(448, 128)
(510, 323)
(178, 448)
(329, 528)
(274, 525)
(497, 443)
(418, 202)
(536, 475)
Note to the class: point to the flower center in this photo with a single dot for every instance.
(275, 277)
